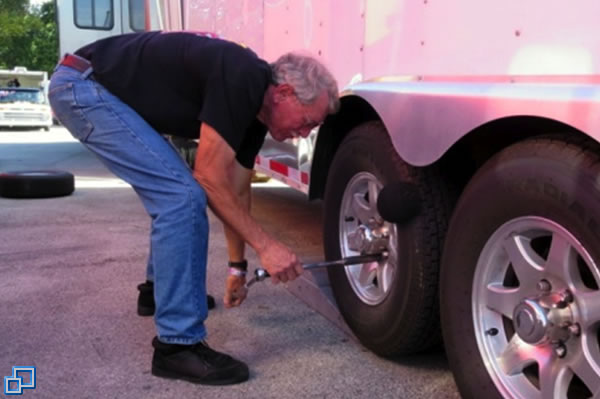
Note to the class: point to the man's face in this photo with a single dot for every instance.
(290, 118)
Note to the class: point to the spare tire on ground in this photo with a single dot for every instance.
(36, 184)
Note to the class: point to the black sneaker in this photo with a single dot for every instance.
(146, 306)
(196, 363)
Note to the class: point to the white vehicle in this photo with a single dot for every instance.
(23, 100)
(83, 21)
(492, 111)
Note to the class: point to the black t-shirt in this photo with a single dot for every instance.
(176, 80)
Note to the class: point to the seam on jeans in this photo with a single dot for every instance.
(189, 189)
(62, 94)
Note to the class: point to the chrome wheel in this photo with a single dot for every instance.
(536, 312)
(362, 231)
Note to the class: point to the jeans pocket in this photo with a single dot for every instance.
(68, 101)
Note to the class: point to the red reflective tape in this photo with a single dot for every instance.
(147, 18)
(278, 167)
(304, 177)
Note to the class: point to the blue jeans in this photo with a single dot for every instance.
(135, 152)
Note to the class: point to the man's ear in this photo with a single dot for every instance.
(283, 91)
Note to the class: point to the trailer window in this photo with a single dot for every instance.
(94, 14)
(137, 15)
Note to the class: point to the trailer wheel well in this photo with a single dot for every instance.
(467, 155)
(353, 111)
(458, 164)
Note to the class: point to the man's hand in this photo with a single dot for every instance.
(280, 261)
(235, 292)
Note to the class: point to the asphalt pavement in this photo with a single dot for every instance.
(69, 268)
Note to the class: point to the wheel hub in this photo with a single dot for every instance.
(544, 319)
(530, 321)
(369, 241)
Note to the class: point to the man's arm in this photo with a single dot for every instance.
(241, 180)
(213, 169)
(235, 292)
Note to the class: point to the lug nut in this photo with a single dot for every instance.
(575, 329)
(544, 286)
(567, 296)
(560, 350)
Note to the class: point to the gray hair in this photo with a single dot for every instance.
(308, 77)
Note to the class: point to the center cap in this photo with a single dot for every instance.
(530, 321)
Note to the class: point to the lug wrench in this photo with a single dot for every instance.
(261, 274)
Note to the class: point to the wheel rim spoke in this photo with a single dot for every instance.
(515, 357)
(526, 263)
(562, 260)
(554, 379)
(367, 274)
(384, 276)
(362, 208)
(502, 299)
(589, 307)
(373, 194)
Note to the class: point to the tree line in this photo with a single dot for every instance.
(28, 35)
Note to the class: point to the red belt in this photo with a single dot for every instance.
(76, 62)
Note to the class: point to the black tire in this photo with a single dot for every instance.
(406, 319)
(550, 179)
(36, 184)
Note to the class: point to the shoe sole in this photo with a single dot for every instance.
(158, 372)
